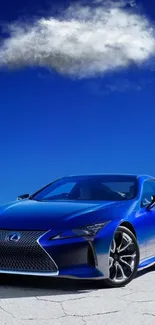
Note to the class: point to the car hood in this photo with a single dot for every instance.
(34, 215)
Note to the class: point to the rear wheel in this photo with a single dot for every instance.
(123, 258)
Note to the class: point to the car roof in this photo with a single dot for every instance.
(106, 174)
(138, 176)
(144, 177)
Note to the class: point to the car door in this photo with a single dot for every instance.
(149, 216)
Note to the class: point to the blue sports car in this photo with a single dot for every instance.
(85, 227)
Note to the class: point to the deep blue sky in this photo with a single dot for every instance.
(52, 125)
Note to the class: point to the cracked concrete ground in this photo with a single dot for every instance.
(40, 301)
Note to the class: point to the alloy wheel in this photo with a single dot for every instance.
(123, 258)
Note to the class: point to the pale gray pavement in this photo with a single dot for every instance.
(36, 301)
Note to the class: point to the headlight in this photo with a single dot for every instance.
(87, 231)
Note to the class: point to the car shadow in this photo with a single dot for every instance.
(12, 286)
(145, 271)
(21, 286)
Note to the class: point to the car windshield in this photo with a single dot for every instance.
(93, 188)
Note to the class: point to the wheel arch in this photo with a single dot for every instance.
(129, 226)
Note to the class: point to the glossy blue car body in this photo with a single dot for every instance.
(72, 255)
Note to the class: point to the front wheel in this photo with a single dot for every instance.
(123, 258)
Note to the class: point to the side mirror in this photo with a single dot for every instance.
(22, 197)
(149, 207)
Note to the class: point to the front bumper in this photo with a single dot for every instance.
(35, 254)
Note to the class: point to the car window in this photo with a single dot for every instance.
(61, 191)
(125, 189)
(92, 188)
(147, 192)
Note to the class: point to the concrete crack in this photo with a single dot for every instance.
(141, 301)
(104, 313)
(148, 314)
(65, 314)
(84, 321)
(95, 314)
(66, 300)
(7, 312)
(129, 294)
(63, 309)
(46, 300)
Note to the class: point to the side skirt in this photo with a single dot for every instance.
(146, 263)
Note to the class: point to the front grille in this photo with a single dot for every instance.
(26, 255)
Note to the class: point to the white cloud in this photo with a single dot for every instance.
(120, 85)
(85, 41)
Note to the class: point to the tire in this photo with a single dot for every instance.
(123, 258)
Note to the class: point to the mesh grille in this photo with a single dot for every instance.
(26, 255)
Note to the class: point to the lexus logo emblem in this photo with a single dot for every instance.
(13, 237)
